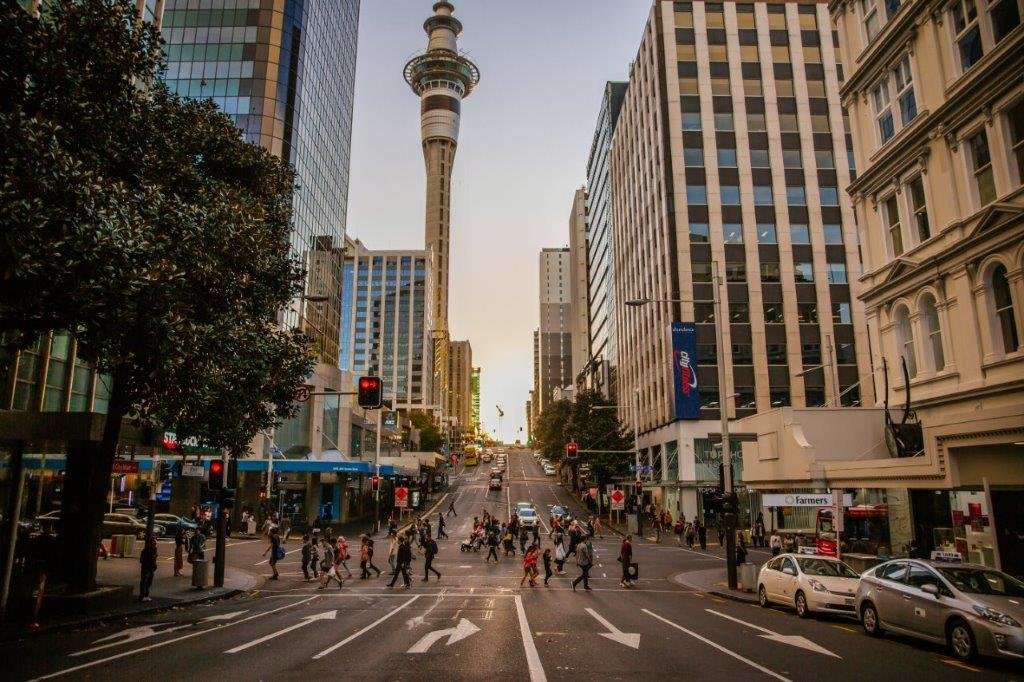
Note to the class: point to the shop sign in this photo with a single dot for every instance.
(125, 466)
(948, 557)
(803, 500)
(193, 470)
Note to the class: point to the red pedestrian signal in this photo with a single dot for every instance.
(639, 487)
(216, 475)
(571, 449)
(371, 392)
(375, 483)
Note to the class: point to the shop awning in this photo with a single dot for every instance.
(406, 465)
(307, 466)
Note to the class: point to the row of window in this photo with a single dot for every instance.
(762, 195)
(739, 312)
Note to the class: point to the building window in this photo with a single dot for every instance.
(967, 33)
(807, 313)
(919, 208)
(799, 234)
(1003, 301)
(727, 158)
(829, 196)
(735, 271)
(763, 195)
(732, 232)
(791, 158)
(779, 397)
(803, 272)
(723, 122)
(730, 194)
(696, 194)
(892, 225)
(905, 339)
(699, 233)
(824, 159)
(777, 354)
(773, 312)
(883, 112)
(932, 332)
(759, 158)
(691, 120)
(770, 272)
(981, 167)
(891, 8)
(1005, 17)
(841, 313)
(742, 354)
(810, 354)
(1015, 120)
(869, 15)
(795, 196)
(766, 233)
(739, 312)
(693, 157)
(836, 273)
(833, 234)
(702, 272)
(905, 91)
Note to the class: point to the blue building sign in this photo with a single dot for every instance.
(684, 370)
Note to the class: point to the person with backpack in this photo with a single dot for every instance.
(584, 559)
(276, 552)
(626, 558)
(690, 535)
(364, 556)
(524, 537)
(429, 552)
(679, 529)
(560, 552)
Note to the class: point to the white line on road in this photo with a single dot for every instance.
(326, 615)
(630, 639)
(792, 640)
(721, 648)
(297, 549)
(529, 646)
(150, 647)
(369, 627)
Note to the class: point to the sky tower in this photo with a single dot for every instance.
(442, 78)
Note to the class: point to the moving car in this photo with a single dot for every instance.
(549, 470)
(486, 457)
(562, 514)
(49, 521)
(523, 505)
(123, 524)
(172, 523)
(970, 608)
(495, 483)
(807, 582)
(528, 517)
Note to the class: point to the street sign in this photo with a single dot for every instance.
(402, 498)
(618, 499)
(302, 394)
(276, 451)
(193, 470)
(125, 466)
(642, 468)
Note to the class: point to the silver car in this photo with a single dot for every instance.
(972, 609)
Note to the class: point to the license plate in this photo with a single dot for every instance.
(848, 601)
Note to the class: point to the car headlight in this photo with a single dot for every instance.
(995, 616)
(817, 585)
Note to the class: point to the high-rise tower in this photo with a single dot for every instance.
(442, 78)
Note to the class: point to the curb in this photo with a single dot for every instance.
(732, 597)
(423, 514)
(678, 579)
(101, 619)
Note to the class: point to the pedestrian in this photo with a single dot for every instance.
(584, 559)
(721, 533)
(197, 546)
(759, 530)
(679, 529)
(276, 552)
(702, 535)
(741, 550)
(507, 538)
(364, 558)
(775, 543)
(547, 566)
(524, 537)
(402, 561)
(342, 556)
(429, 552)
(626, 558)
(451, 508)
(441, 535)
(535, 532)
(392, 526)
(307, 557)
(690, 535)
(560, 553)
(598, 528)
(392, 550)
(492, 546)
(590, 526)
(179, 551)
(530, 567)
(369, 555)
(147, 561)
(328, 571)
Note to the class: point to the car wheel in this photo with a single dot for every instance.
(762, 597)
(869, 620)
(801, 605)
(961, 640)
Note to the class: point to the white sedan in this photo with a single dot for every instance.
(549, 470)
(808, 583)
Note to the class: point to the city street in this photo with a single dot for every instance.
(477, 622)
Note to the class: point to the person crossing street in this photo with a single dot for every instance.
(584, 559)
(441, 534)
(402, 561)
(429, 552)
(626, 558)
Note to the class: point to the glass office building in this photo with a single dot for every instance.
(285, 71)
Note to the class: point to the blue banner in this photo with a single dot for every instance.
(684, 370)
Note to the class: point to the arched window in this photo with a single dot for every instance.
(1003, 303)
(905, 339)
(932, 332)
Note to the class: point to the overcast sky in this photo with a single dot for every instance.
(523, 147)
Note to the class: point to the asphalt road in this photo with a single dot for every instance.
(476, 622)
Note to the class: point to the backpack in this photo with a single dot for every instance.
(279, 553)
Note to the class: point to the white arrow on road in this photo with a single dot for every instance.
(146, 631)
(326, 615)
(791, 640)
(630, 639)
(223, 616)
(461, 631)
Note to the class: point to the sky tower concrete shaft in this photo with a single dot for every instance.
(442, 78)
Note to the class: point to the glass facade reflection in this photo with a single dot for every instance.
(285, 71)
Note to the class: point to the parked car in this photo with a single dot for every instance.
(49, 521)
(807, 583)
(495, 483)
(549, 470)
(123, 524)
(970, 608)
(172, 523)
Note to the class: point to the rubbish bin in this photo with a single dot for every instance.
(122, 545)
(200, 574)
(747, 574)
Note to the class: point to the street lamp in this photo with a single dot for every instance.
(730, 511)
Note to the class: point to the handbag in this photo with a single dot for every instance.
(560, 553)
(279, 553)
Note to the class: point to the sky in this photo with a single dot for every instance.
(523, 145)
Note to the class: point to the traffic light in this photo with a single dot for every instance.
(263, 492)
(371, 392)
(571, 449)
(375, 483)
(227, 498)
(216, 475)
(639, 487)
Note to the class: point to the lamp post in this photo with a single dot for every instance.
(730, 503)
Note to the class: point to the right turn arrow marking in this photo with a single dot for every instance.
(791, 640)
(630, 639)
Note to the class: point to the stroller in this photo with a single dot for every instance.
(473, 543)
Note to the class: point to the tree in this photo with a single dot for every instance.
(551, 432)
(431, 438)
(600, 429)
(143, 224)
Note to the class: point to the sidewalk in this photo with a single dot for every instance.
(167, 592)
(714, 581)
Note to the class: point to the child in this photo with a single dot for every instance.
(547, 566)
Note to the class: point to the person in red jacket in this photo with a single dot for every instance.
(626, 557)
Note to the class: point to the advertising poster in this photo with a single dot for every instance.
(684, 370)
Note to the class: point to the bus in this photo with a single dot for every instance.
(471, 459)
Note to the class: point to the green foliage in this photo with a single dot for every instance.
(591, 429)
(431, 438)
(551, 432)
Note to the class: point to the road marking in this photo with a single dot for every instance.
(958, 664)
(146, 631)
(630, 639)
(369, 627)
(844, 628)
(792, 640)
(266, 561)
(529, 646)
(721, 648)
(307, 620)
(155, 645)
(454, 634)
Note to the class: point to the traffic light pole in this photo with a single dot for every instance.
(222, 531)
(151, 512)
(729, 506)
(376, 471)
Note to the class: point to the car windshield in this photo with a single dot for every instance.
(527, 513)
(983, 581)
(557, 511)
(826, 568)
